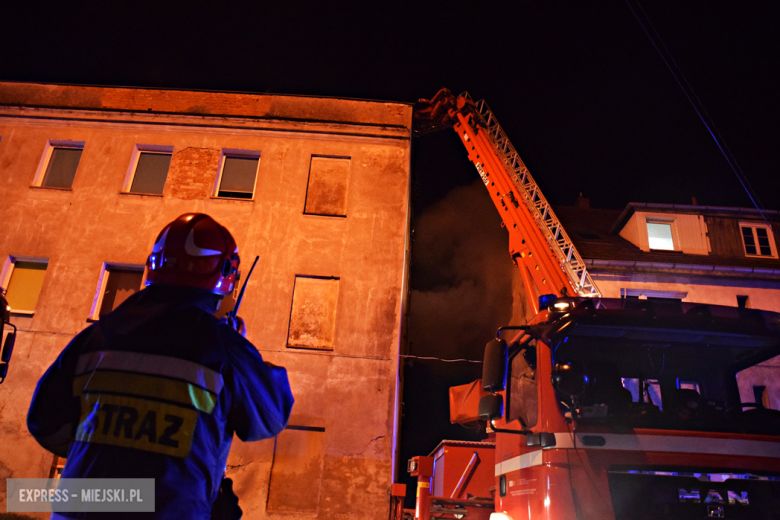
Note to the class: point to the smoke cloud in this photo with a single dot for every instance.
(464, 283)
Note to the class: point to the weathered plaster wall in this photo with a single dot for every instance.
(350, 392)
(761, 294)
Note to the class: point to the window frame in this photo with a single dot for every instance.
(43, 165)
(753, 226)
(292, 316)
(346, 158)
(509, 397)
(670, 221)
(8, 269)
(226, 153)
(105, 270)
(138, 149)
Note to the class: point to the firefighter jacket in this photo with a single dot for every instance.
(156, 389)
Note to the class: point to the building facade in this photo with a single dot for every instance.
(713, 255)
(318, 188)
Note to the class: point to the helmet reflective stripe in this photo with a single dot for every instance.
(193, 250)
(158, 246)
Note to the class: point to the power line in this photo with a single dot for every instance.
(697, 105)
(440, 359)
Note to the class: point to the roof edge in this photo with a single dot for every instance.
(632, 207)
(212, 91)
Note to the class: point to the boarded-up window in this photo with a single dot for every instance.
(150, 172)
(313, 314)
(297, 470)
(118, 285)
(326, 193)
(25, 285)
(238, 177)
(61, 169)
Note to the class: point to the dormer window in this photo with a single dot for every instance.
(659, 235)
(757, 240)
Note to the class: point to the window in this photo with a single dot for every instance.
(523, 394)
(117, 282)
(237, 174)
(758, 240)
(297, 465)
(148, 169)
(313, 313)
(57, 465)
(652, 294)
(659, 235)
(23, 282)
(58, 165)
(326, 192)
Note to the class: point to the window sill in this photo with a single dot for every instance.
(22, 313)
(310, 349)
(768, 257)
(93, 320)
(138, 194)
(233, 198)
(50, 188)
(666, 251)
(323, 215)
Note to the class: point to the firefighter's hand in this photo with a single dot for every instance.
(237, 323)
(240, 326)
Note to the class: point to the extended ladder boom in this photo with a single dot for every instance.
(544, 253)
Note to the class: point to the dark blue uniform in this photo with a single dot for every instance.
(156, 389)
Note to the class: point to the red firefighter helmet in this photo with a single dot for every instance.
(195, 251)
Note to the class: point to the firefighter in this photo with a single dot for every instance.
(157, 388)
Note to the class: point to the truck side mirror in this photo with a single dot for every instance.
(491, 407)
(494, 366)
(570, 379)
(8, 348)
(5, 355)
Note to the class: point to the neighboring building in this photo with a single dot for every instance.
(702, 254)
(317, 187)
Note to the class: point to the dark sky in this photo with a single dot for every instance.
(588, 103)
(578, 87)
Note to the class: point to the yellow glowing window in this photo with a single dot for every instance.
(25, 285)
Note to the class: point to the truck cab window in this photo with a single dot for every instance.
(523, 394)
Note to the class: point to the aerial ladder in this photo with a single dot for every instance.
(548, 261)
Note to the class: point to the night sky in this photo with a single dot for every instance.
(578, 86)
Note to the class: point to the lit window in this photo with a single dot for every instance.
(659, 236)
(238, 173)
(149, 169)
(758, 240)
(59, 164)
(117, 283)
(24, 282)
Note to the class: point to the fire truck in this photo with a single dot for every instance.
(599, 408)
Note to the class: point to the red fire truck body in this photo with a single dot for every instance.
(649, 460)
(602, 408)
